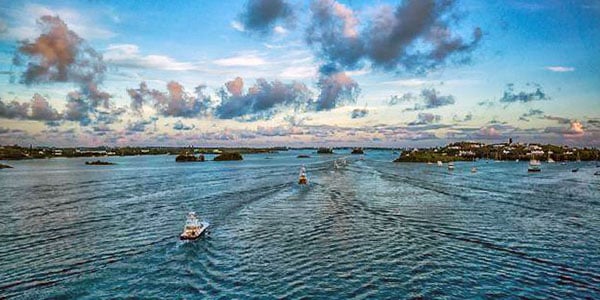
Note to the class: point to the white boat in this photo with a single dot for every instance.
(439, 163)
(534, 165)
(193, 228)
(302, 179)
(451, 166)
(473, 170)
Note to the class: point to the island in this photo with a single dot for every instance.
(99, 163)
(3, 166)
(357, 151)
(229, 156)
(469, 151)
(324, 150)
(189, 157)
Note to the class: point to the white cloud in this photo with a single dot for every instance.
(298, 72)
(128, 55)
(237, 26)
(22, 23)
(560, 69)
(241, 61)
(280, 30)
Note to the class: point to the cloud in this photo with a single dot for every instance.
(530, 113)
(180, 126)
(430, 98)
(261, 100)
(237, 26)
(425, 118)
(511, 97)
(138, 126)
(575, 129)
(60, 55)
(41, 109)
(77, 109)
(358, 113)
(39, 106)
(128, 55)
(395, 99)
(241, 61)
(560, 69)
(261, 16)
(336, 89)
(176, 102)
(14, 110)
(413, 36)
(560, 120)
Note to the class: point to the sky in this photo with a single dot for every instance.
(299, 73)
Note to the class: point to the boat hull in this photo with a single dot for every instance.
(189, 237)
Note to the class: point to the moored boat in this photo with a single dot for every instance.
(451, 166)
(534, 166)
(193, 228)
(439, 163)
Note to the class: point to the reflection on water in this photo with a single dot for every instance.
(370, 229)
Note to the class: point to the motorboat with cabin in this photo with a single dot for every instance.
(194, 228)
(534, 165)
(439, 163)
(302, 179)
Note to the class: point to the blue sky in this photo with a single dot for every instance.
(319, 72)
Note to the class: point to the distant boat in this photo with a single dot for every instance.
(429, 163)
(534, 165)
(303, 156)
(193, 228)
(302, 179)
(451, 166)
(550, 160)
(564, 163)
(473, 170)
(324, 150)
(439, 163)
(575, 170)
(517, 160)
(597, 173)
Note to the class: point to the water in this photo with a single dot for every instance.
(374, 229)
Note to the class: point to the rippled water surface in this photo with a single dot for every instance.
(373, 229)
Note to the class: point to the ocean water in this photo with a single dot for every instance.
(373, 229)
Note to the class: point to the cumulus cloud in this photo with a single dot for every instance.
(425, 118)
(176, 102)
(179, 125)
(510, 96)
(413, 36)
(41, 109)
(60, 55)
(261, 100)
(575, 129)
(38, 109)
(262, 16)
(358, 113)
(14, 110)
(138, 126)
(430, 98)
(336, 89)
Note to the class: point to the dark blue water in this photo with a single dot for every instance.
(373, 229)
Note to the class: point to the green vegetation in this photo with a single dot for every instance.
(506, 151)
(229, 156)
(189, 157)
